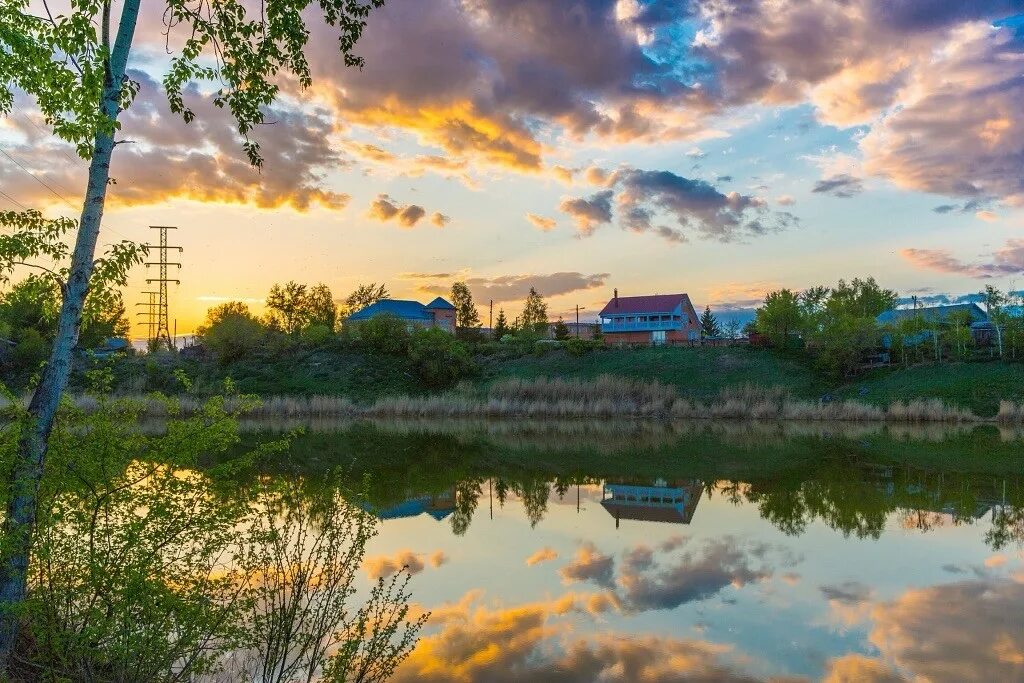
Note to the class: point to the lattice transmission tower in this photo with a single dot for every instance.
(157, 317)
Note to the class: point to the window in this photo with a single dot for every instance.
(658, 337)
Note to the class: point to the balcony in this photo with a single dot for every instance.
(641, 326)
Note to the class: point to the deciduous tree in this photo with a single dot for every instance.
(535, 313)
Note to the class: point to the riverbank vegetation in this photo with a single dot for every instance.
(604, 397)
(146, 567)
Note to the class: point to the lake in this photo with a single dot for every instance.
(648, 552)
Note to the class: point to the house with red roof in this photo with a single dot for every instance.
(653, 319)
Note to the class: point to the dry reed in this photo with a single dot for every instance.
(605, 397)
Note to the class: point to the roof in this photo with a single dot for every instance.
(407, 310)
(654, 303)
(940, 313)
(442, 303)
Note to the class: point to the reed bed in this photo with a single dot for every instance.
(602, 398)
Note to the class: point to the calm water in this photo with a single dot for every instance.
(644, 553)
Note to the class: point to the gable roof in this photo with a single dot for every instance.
(939, 313)
(654, 303)
(442, 303)
(407, 310)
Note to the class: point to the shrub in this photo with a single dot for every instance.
(317, 335)
(233, 336)
(386, 334)
(438, 359)
(578, 347)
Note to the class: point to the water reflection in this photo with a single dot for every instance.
(655, 501)
(733, 552)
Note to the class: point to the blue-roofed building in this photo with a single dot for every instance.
(939, 316)
(438, 313)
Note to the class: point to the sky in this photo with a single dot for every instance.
(718, 148)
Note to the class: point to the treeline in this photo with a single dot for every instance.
(838, 327)
(300, 317)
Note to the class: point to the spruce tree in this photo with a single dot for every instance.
(501, 327)
(709, 324)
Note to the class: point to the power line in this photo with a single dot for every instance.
(12, 200)
(56, 194)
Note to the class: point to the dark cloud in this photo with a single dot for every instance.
(842, 185)
(967, 207)
(696, 575)
(516, 287)
(690, 205)
(384, 209)
(970, 630)
(590, 565)
(848, 592)
(202, 161)
(590, 212)
(638, 558)
(926, 15)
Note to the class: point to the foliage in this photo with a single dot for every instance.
(33, 303)
(438, 359)
(779, 317)
(231, 332)
(147, 569)
(320, 309)
(535, 313)
(466, 316)
(286, 307)
(709, 324)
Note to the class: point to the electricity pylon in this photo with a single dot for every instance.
(161, 320)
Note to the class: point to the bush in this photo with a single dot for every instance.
(317, 335)
(381, 334)
(438, 359)
(578, 347)
(233, 337)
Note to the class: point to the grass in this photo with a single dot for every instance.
(976, 386)
(704, 373)
(696, 373)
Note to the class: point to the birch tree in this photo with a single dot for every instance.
(73, 62)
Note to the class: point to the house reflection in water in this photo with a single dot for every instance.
(439, 506)
(659, 501)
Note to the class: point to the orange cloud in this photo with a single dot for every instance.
(530, 642)
(542, 223)
(543, 555)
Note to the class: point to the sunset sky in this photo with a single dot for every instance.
(720, 148)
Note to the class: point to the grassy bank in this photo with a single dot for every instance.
(699, 375)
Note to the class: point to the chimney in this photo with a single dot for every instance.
(615, 299)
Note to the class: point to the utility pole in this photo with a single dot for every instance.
(490, 317)
(577, 321)
(162, 333)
